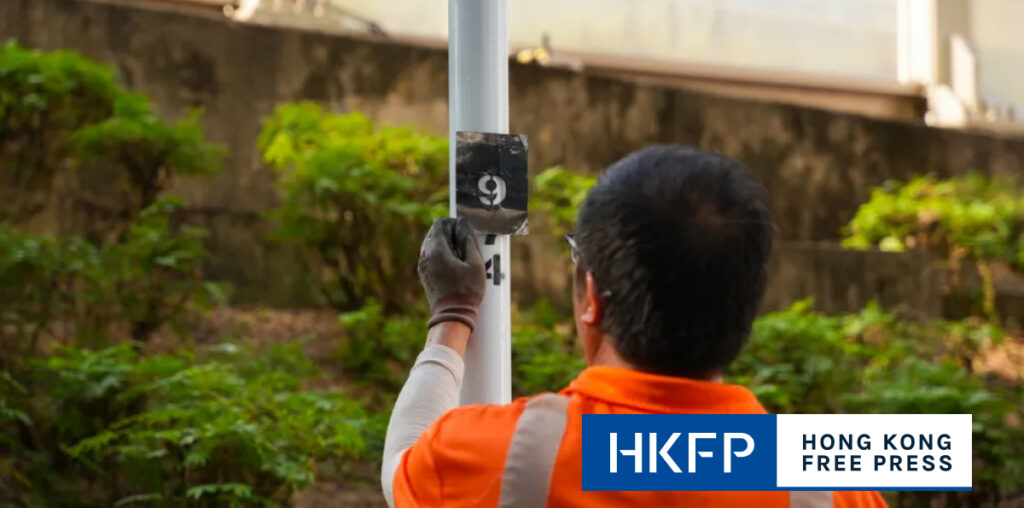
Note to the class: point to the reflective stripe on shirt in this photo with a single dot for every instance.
(526, 479)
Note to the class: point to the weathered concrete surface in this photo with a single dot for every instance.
(838, 280)
(842, 280)
(818, 165)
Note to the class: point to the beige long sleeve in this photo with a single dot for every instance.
(431, 390)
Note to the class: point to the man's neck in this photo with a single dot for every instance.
(607, 356)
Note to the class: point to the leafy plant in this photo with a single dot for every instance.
(155, 272)
(357, 196)
(38, 285)
(557, 194)
(225, 427)
(146, 151)
(9, 390)
(378, 349)
(972, 218)
(67, 289)
(797, 361)
(59, 110)
(545, 354)
(15, 459)
(44, 97)
(800, 361)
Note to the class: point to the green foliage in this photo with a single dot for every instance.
(63, 84)
(146, 150)
(59, 106)
(229, 428)
(971, 217)
(797, 361)
(980, 215)
(800, 361)
(358, 197)
(378, 349)
(557, 194)
(67, 289)
(59, 110)
(43, 98)
(155, 272)
(84, 423)
(794, 358)
(10, 393)
(545, 352)
(37, 285)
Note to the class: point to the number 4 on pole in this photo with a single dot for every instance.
(493, 268)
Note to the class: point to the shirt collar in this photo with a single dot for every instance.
(663, 394)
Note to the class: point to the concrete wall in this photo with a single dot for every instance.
(842, 280)
(837, 279)
(817, 165)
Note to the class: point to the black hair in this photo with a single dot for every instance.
(678, 241)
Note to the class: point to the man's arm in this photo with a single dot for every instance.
(431, 390)
(451, 270)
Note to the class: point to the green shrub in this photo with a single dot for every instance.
(357, 199)
(221, 428)
(378, 348)
(974, 213)
(69, 290)
(797, 361)
(57, 107)
(38, 285)
(557, 194)
(971, 218)
(128, 278)
(145, 151)
(800, 361)
(10, 390)
(356, 196)
(14, 456)
(155, 272)
(59, 110)
(545, 352)
(44, 97)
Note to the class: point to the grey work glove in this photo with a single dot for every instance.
(451, 270)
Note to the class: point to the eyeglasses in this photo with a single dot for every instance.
(574, 249)
(576, 255)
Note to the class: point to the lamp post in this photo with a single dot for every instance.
(478, 102)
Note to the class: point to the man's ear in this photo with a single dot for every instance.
(592, 305)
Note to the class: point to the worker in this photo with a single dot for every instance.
(671, 248)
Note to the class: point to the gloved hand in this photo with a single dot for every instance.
(451, 270)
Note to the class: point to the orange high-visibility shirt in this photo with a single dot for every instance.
(459, 460)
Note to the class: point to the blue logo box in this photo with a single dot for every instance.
(679, 452)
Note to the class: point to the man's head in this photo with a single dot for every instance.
(673, 245)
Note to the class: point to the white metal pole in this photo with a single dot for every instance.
(478, 102)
